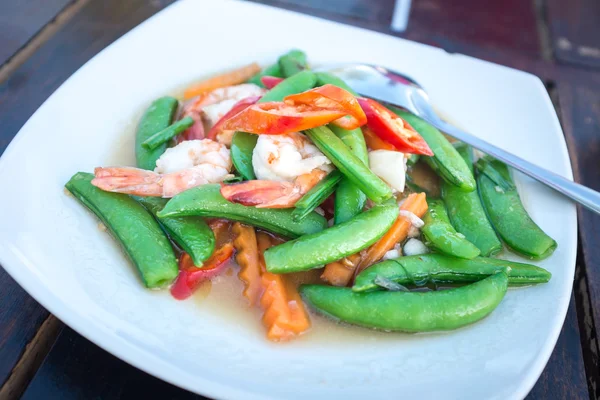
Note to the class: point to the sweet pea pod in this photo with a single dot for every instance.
(192, 234)
(339, 241)
(271, 70)
(503, 205)
(315, 196)
(348, 164)
(446, 161)
(243, 143)
(133, 227)
(442, 236)
(438, 268)
(156, 118)
(207, 201)
(324, 78)
(467, 214)
(292, 63)
(410, 311)
(168, 133)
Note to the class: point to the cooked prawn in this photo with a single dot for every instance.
(287, 166)
(189, 164)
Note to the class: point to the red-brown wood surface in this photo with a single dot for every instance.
(504, 32)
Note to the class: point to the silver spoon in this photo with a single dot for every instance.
(397, 89)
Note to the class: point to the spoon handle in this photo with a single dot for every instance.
(581, 194)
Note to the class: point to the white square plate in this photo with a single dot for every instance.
(52, 247)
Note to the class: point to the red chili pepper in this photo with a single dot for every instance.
(270, 81)
(393, 129)
(332, 97)
(237, 108)
(191, 276)
(277, 118)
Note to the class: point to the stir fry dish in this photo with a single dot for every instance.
(287, 170)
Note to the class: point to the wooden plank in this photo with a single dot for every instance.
(78, 369)
(575, 31)
(21, 20)
(580, 111)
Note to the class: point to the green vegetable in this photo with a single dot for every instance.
(292, 63)
(467, 214)
(156, 118)
(348, 164)
(446, 161)
(324, 78)
(339, 241)
(192, 234)
(349, 199)
(271, 70)
(315, 196)
(503, 206)
(413, 159)
(168, 133)
(438, 268)
(441, 235)
(243, 143)
(207, 201)
(410, 311)
(133, 227)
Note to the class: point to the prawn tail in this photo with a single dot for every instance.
(128, 180)
(262, 194)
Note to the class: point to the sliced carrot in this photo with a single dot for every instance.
(247, 257)
(374, 142)
(284, 314)
(415, 203)
(234, 77)
(339, 273)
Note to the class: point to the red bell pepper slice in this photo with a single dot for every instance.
(393, 129)
(237, 107)
(277, 118)
(332, 97)
(270, 81)
(190, 276)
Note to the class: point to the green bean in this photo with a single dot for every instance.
(337, 242)
(168, 133)
(243, 143)
(349, 165)
(503, 206)
(442, 236)
(192, 234)
(467, 214)
(438, 268)
(446, 161)
(324, 78)
(410, 311)
(271, 70)
(315, 196)
(292, 63)
(156, 118)
(412, 159)
(349, 199)
(133, 227)
(207, 201)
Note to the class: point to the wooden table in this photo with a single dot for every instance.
(42, 42)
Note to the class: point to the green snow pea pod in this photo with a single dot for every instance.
(438, 268)
(315, 196)
(467, 214)
(442, 236)
(133, 227)
(168, 133)
(207, 201)
(446, 161)
(337, 242)
(349, 164)
(243, 143)
(325, 78)
(271, 70)
(156, 118)
(410, 311)
(292, 63)
(503, 206)
(192, 234)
